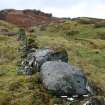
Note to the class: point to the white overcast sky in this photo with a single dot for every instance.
(60, 8)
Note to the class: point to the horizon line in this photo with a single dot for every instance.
(72, 17)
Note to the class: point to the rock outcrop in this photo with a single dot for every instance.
(27, 18)
(43, 55)
(35, 60)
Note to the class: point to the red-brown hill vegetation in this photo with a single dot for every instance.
(27, 17)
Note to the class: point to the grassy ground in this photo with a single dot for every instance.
(85, 47)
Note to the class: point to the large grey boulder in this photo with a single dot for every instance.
(63, 79)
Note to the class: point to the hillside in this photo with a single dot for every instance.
(27, 18)
(85, 44)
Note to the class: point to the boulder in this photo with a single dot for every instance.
(40, 56)
(34, 60)
(61, 78)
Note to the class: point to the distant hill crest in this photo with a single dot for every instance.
(27, 17)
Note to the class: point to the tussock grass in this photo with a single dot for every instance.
(85, 50)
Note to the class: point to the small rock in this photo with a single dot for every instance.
(95, 101)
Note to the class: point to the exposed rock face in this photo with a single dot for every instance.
(35, 60)
(63, 79)
(27, 18)
(46, 54)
